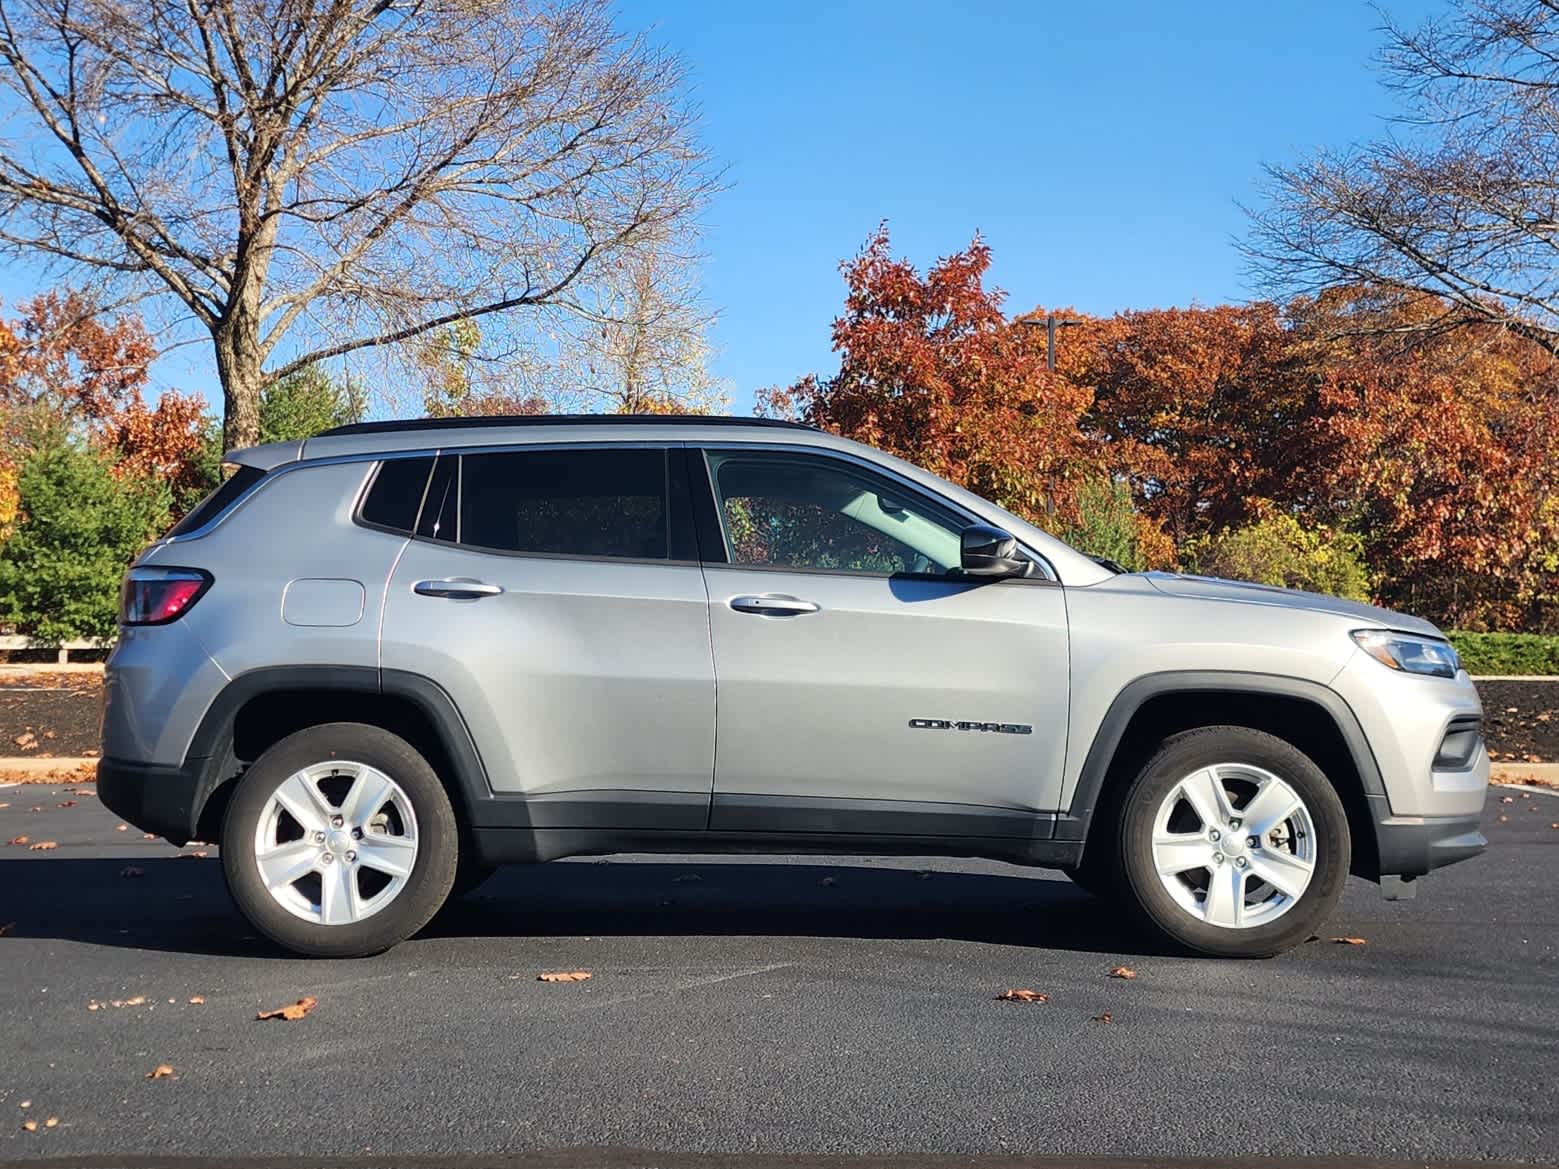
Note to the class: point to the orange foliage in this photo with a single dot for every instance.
(932, 370)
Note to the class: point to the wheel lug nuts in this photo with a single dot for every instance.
(327, 858)
(357, 834)
(1217, 858)
(1240, 862)
(336, 821)
(1214, 835)
(351, 857)
(1253, 841)
(319, 838)
(1234, 823)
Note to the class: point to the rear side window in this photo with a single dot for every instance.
(608, 502)
(395, 496)
(218, 501)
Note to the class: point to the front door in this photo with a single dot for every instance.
(864, 685)
(555, 595)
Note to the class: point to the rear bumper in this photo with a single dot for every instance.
(1410, 846)
(155, 798)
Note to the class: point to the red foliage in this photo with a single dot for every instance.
(931, 369)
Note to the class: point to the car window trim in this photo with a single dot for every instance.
(668, 448)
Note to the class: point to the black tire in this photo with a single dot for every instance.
(1180, 756)
(432, 872)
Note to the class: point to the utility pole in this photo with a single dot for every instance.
(1051, 322)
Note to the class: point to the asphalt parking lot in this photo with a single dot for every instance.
(768, 1005)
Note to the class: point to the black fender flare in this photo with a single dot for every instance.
(1075, 822)
(210, 755)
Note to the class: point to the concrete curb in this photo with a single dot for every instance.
(43, 764)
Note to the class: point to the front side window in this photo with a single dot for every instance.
(580, 502)
(810, 512)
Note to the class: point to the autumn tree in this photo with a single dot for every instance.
(932, 370)
(306, 181)
(64, 359)
(1196, 407)
(1441, 450)
(1458, 202)
(636, 341)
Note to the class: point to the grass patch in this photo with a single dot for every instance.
(1507, 653)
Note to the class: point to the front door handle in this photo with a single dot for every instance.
(773, 605)
(460, 588)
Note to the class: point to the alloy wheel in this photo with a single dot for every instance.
(336, 842)
(1234, 845)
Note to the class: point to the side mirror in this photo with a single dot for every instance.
(988, 551)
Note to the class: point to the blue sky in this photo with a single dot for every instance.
(1099, 148)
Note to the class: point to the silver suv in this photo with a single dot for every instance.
(379, 662)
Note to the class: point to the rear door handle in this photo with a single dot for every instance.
(773, 605)
(460, 588)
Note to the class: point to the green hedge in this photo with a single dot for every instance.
(1507, 653)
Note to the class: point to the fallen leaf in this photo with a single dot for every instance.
(564, 976)
(1350, 941)
(1104, 1018)
(66, 804)
(42, 846)
(148, 836)
(121, 827)
(7, 804)
(52, 1122)
(138, 1001)
(1507, 799)
(1123, 972)
(25, 1104)
(292, 1012)
(162, 1071)
(1022, 995)
(1504, 819)
(18, 840)
(36, 808)
(30, 1125)
(26, 740)
(9, 927)
(1532, 807)
(132, 871)
(198, 854)
(196, 1000)
(94, 1005)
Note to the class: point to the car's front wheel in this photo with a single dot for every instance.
(1233, 842)
(339, 841)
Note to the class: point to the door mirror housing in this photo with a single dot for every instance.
(992, 552)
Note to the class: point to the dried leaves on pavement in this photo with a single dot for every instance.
(564, 976)
(293, 1011)
(1022, 995)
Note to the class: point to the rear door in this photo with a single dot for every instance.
(555, 594)
(865, 686)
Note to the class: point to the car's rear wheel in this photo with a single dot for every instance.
(1233, 842)
(339, 841)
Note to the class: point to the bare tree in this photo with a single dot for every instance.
(1460, 202)
(636, 340)
(313, 178)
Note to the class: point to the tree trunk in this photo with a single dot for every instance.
(238, 367)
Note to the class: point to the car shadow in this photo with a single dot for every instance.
(182, 905)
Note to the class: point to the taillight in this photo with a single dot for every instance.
(155, 596)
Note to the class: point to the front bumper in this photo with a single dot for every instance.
(155, 798)
(1410, 846)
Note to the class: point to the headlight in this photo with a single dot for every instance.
(1412, 655)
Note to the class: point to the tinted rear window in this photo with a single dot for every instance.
(218, 501)
(395, 495)
(567, 503)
